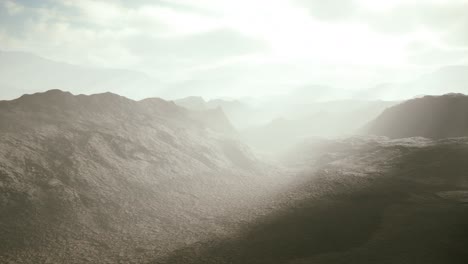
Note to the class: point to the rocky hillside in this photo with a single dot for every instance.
(430, 116)
(214, 119)
(358, 200)
(103, 179)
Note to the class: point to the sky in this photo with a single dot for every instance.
(245, 47)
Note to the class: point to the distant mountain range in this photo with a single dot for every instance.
(429, 116)
(448, 79)
(426, 116)
(18, 70)
(321, 119)
(22, 73)
(239, 113)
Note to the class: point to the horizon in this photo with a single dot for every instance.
(161, 93)
(261, 48)
(229, 99)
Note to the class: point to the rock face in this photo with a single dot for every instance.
(103, 178)
(430, 116)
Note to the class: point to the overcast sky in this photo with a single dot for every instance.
(245, 47)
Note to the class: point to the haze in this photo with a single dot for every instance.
(234, 131)
(221, 48)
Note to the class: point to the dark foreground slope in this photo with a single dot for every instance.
(103, 179)
(430, 116)
(370, 201)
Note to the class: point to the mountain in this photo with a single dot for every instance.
(215, 119)
(430, 116)
(358, 200)
(448, 79)
(238, 113)
(314, 93)
(321, 119)
(192, 102)
(22, 73)
(106, 179)
(103, 179)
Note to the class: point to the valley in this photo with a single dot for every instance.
(105, 179)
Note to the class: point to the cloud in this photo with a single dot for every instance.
(193, 49)
(439, 57)
(331, 9)
(457, 33)
(440, 25)
(392, 16)
(244, 45)
(435, 16)
(107, 31)
(13, 8)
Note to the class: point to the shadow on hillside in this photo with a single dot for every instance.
(398, 218)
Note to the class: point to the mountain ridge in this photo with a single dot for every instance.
(429, 116)
(46, 74)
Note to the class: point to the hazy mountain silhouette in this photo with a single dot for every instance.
(321, 119)
(103, 178)
(22, 73)
(314, 93)
(448, 79)
(214, 119)
(192, 103)
(430, 116)
(238, 113)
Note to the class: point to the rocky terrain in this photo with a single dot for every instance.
(366, 199)
(105, 179)
(360, 200)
